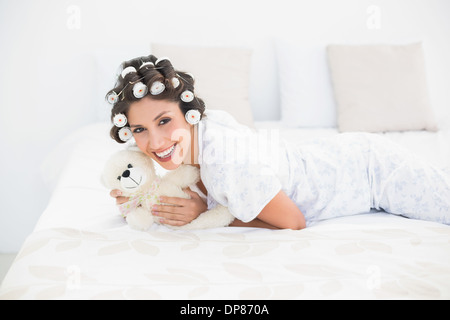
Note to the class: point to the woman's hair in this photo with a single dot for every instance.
(158, 70)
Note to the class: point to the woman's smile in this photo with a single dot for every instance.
(166, 154)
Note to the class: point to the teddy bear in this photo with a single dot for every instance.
(133, 172)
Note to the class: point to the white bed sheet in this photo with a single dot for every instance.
(81, 248)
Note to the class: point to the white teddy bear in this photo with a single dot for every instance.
(133, 172)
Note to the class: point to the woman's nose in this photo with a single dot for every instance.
(155, 142)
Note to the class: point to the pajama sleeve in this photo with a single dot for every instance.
(244, 188)
(232, 168)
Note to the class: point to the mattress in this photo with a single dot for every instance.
(81, 248)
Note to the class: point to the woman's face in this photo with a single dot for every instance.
(160, 131)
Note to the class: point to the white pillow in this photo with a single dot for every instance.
(380, 88)
(305, 86)
(221, 75)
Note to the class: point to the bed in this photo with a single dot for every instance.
(82, 248)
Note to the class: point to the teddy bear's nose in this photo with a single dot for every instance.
(126, 174)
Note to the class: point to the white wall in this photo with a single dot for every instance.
(53, 67)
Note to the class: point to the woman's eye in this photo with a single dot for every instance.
(164, 121)
(138, 130)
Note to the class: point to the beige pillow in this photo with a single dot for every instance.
(380, 88)
(221, 75)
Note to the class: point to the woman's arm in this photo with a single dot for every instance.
(281, 212)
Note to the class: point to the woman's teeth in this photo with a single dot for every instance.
(166, 153)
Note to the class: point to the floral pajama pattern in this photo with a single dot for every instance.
(347, 174)
(355, 172)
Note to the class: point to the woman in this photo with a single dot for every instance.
(345, 175)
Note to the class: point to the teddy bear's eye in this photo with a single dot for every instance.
(118, 178)
(130, 166)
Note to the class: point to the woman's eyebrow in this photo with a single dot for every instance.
(160, 115)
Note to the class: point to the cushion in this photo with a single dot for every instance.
(306, 95)
(380, 88)
(221, 75)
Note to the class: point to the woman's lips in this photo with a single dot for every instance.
(165, 155)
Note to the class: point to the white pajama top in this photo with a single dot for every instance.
(344, 175)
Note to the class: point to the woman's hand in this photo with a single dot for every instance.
(179, 211)
(117, 194)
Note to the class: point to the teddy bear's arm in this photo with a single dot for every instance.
(213, 218)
